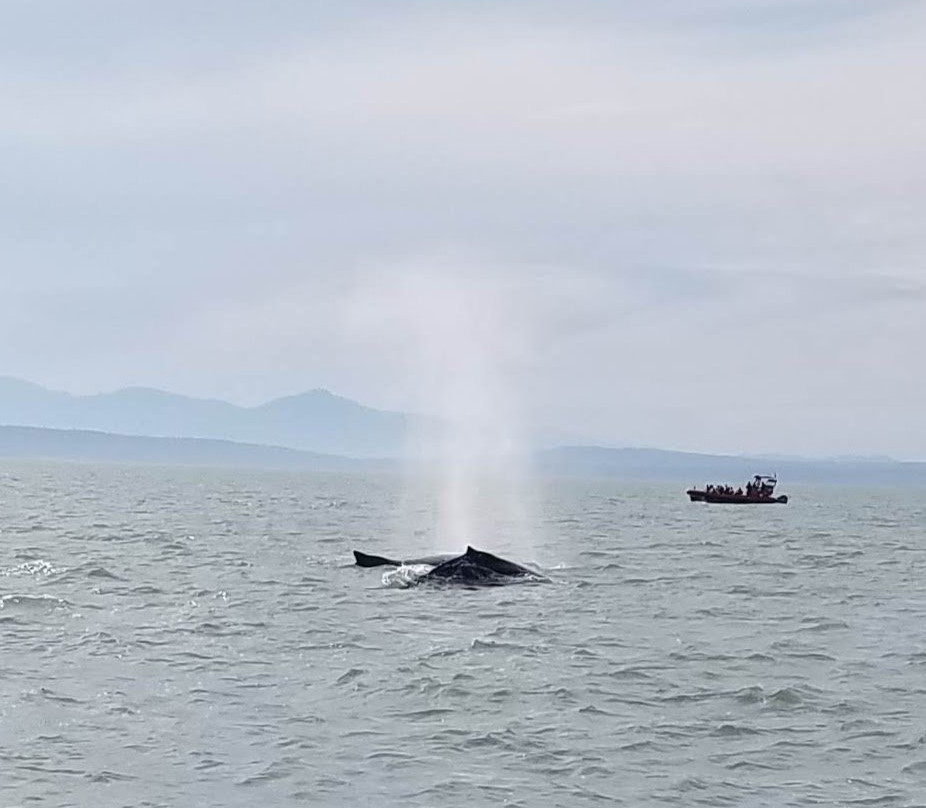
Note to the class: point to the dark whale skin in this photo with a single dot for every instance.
(366, 560)
(479, 568)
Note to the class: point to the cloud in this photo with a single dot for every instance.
(245, 202)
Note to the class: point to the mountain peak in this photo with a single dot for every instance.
(316, 420)
(140, 391)
(11, 384)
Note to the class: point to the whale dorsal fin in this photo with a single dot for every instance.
(366, 560)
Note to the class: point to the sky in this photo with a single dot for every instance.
(686, 224)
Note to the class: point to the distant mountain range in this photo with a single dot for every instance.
(690, 468)
(316, 421)
(322, 431)
(27, 442)
(575, 461)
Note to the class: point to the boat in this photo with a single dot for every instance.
(761, 491)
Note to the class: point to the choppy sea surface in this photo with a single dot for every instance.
(174, 637)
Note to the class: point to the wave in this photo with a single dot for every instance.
(32, 603)
(405, 576)
(37, 568)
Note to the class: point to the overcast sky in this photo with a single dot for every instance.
(693, 224)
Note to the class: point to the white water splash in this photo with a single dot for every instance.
(405, 576)
(37, 568)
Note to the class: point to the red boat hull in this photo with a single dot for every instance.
(696, 495)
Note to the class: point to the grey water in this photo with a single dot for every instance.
(198, 637)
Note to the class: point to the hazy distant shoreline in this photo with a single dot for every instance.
(23, 442)
(26, 442)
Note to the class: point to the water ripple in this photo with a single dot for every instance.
(199, 637)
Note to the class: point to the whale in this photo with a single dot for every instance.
(366, 560)
(472, 568)
(477, 567)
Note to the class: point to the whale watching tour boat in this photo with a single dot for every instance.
(761, 491)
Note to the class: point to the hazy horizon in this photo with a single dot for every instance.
(693, 224)
(538, 444)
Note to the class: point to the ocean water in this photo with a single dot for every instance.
(180, 637)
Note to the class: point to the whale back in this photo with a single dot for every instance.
(479, 567)
(367, 560)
